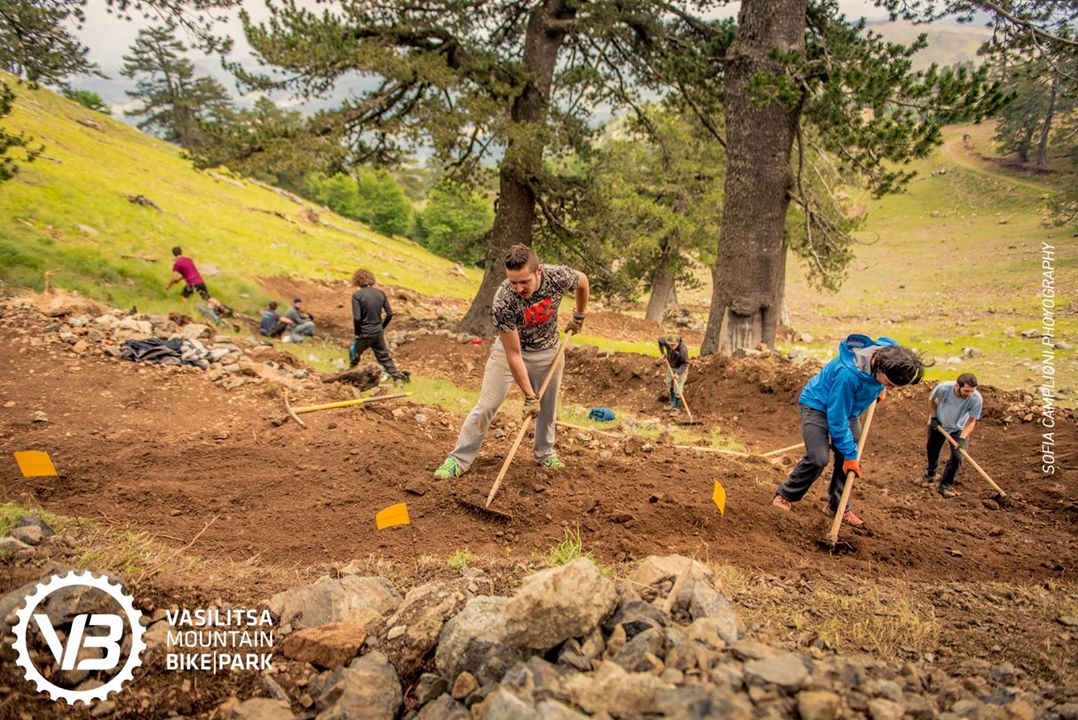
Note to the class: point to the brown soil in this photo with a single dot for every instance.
(163, 451)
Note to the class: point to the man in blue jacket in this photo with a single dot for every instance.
(831, 404)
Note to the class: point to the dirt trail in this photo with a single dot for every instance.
(163, 451)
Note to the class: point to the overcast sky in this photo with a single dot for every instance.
(109, 38)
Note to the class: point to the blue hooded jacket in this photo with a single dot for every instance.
(843, 392)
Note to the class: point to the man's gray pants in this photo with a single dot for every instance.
(497, 382)
(817, 436)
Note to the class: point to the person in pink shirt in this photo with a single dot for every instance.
(184, 269)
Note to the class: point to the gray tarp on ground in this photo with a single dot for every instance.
(167, 352)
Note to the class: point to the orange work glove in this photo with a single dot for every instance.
(853, 466)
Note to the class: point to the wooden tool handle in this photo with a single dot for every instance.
(837, 523)
(682, 396)
(972, 462)
(524, 425)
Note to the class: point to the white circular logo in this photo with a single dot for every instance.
(66, 654)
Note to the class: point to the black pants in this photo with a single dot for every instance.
(278, 327)
(933, 447)
(817, 438)
(381, 352)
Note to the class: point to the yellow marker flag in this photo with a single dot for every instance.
(719, 496)
(35, 463)
(393, 515)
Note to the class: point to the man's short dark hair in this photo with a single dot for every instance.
(177, 251)
(902, 366)
(363, 278)
(272, 304)
(967, 380)
(519, 256)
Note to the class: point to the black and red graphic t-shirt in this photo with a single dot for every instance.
(536, 318)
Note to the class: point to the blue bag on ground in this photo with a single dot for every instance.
(601, 414)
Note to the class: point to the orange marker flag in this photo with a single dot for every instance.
(35, 463)
(719, 496)
(393, 515)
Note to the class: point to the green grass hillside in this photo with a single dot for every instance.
(69, 212)
(953, 262)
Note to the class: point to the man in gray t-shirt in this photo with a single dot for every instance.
(525, 314)
(954, 407)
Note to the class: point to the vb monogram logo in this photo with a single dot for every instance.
(82, 635)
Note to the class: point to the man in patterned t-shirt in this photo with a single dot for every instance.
(525, 311)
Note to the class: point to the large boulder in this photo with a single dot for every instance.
(474, 640)
(334, 600)
(412, 631)
(557, 604)
(330, 646)
(368, 689)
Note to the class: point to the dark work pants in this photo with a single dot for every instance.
(817, 452)
(933, 447)
(381, 352)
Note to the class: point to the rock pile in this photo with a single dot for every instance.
(572, 643)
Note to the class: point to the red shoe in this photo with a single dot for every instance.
(852, 519)
(847, 516)
(781, 503)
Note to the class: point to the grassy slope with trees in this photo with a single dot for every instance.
(84, 178)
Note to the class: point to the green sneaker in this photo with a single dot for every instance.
(553, 463)
(448, 469)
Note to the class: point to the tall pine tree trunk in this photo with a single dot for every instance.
(748, 273)
(515, 211)
(663, 291)
(1042, 146)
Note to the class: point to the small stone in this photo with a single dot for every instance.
(261, 709)
(40, 416)
(464, 686)
(80, 347)
(818, 705)
(1068, 620)
(10, 545)
(882, 709)
(420, 418)
(429, 686)
(396, 632)
(30, 534)
(787, 671)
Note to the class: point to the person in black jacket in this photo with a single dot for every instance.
(368, 305)
(677, 368)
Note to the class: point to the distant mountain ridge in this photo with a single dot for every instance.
(948, 43)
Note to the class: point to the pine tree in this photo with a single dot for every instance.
(36, 45)
(173, 101)
(10, 141)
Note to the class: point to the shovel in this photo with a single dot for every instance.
(524, 425)
(830, 542)
(684, 402)
(972, 462)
